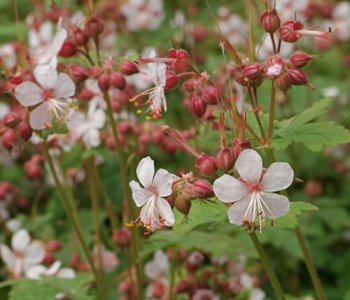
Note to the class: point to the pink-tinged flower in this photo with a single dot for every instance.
(251, 195)
(156, 211)
(158, 268)
(109, 259)
(24, 254)
(274, 67)
(52, 97)
(38, 271)
(205, 294)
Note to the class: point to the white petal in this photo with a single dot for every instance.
(45, 32)
(237, 210)
(46, 76)
(66, 273)
(278, 205)
(33, 255)
(249, 166)
(53, 269)
(29, 94)
(20, 240)
(65, 86)
(99, 118)
(165, 211)
(7, 256)
(163, 181)
(35, 272)
(40, 116)
(91, 138)
(145, 171)
(139, 194)
(278, 177)
(228, 189)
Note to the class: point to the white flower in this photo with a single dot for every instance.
(250, 196)
(158, 268)
(156, 209)
(36, 272)
(53, 96)
(109, 259)
(255, 293)
(24, 254)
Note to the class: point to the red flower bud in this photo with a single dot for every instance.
(128, 68)
(122, 238)
(9, 139)
(181, 60)
(250, 74)
(94, 26)
(10, 120)
(202, 189)
(206, 165)
(48, 258)
(299, 59)
(117, 80)
(124, 128)
(53, 246)
(238, 146)
(225, 159)
(197, 106)
(103, 82)
(33, 170)
(68, 49)
(189, 85)
(95, 71)
(270, 21)
(194, 261)
(86, 94)
(183, 205)
(297, 77)
(182, 287)
(80, 38)
(79, 73)
(172, 80)
(24, 130)
(283, 83)
(288, 31)
(210, 95)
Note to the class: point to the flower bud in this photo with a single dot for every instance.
(125, 286)
(299, 59)
(9, 140)
(124, 127)
(194, 261)
(94, 26)
(79, 73)
(33, 170)
(24, 131)
(95, 71)
(10, 120)
(250, 74)
(189, 85)
(313, 188)
(270, 21)
(117, 80)
(275, 67)
(202, 189)
(210, 95)
(48, 258)
(225, 159)
(181, 60)
(68, 49)
(122, 238)
(297, 77)
(238, 146)
(182, 287)
(183, 205)
(172, 80)
(197, 106)
(80, 38)
(283, 83)
(288, 31)
(206, 165)
(128, 68)
(53, 246)
(103, 82)
(23, 203)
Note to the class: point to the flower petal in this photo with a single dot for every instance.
(278, 177)
(249, 166)
(20, 240)
(66, 273)
(163, 181)
(33, 255)
(7, 256)
(40, 116)
(46, 76)
(65, 86)
(278, 205)
(35, 272)
(228, 189)
(237, 210)
(139, 194)
(165, 211)
(91, 138)
(29, 94)
(145, 171)
(98, 118)
(53, 269)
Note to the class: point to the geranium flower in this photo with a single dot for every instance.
(156, 211)
(53, 95)
(24, 254)
(36, 272)
(250, 195)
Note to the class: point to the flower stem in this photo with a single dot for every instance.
(173, 274)
(122, 166)
(72, 216)
(272, 110)
(310, 265)
(270, 272)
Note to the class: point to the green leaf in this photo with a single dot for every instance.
(313, 135)
(201, 213)
(46, 288)
(290, 220)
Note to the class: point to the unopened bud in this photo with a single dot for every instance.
(189, 85)
(80, 38)
(206, 165)
(283, 83)
(10, 120)
(225, 159)
(117, 80)
(238, 146)
(33, 170)
(68, 49)
(194, 261)
(288, 31)
(181, 60)
(53, 246)
(94, 26)
(172, 80)
(197, 106)
(128, 68)
(79, 73)
(103, 82)
(250, 74)
(9, 140)
(86, 94)
(48, 258)
(210, 95)
(299, 59)
(95, 71)
(270, 21)
(24, 131)
(202, 189)
(182, 287)
(297, 77)
(313, 188)
(183, 205)
(122, 238)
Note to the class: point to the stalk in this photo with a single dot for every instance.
(171, 295)
(272, 111)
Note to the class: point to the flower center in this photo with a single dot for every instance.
(48, 94)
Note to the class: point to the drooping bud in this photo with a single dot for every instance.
(206, 165)
(86, 94)
(197, 106)
(288, 31)
(299, 59)
(202, 189)
(183, 205)
(122, 238)
(194, 261)
(270, 21)
(79, 73)
(189, 85)
(80, 38)
(95, 71)
(117, 80)
(10, 120)
(298, 77)
(48, 258)
(250, 74)
(172, 80)
(181, 60)
(283, 83)
(33, 170)
(128, 68)
(9, 140)
(225, 159)
(238, 146)
(53, 246)
(103, 82)
(94, 26)
(68, 49)
(210, 95)
(24, 130)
